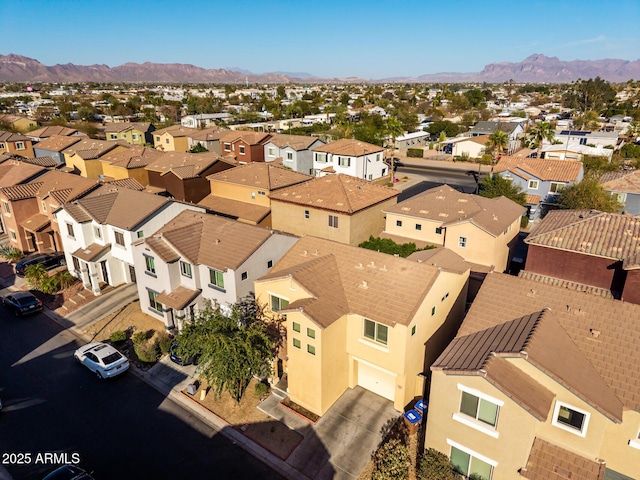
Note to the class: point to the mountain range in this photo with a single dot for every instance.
(536, 68)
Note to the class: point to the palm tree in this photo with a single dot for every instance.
(496, 145)
(539, 133)
(393, 128)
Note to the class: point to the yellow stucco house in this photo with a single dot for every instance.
(129, 163)
(18, 123)
(481, 230)
(134, 133)
(336, 207)
(173, 139)
(541, 382)
(360, 317)
(84, 156)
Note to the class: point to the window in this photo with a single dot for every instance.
(344, 161)
(271, 152)
(377, 157)
(13, 235)
(113, 136)
(570, 418)
(444, 297)
(262, 193)
(438, 231)
(311, 349)
(185, 269)
(433, 311)
(333, 221)
(311, 333)
(289, 155)
(97, 232)
(479, 409)
(296, 327)
(140, 234)
(19, 145)
(533, 184)
(44, 206)
(462, 242)
(469, 464)
(150, 265)
(166, 140)
(119, 238)
(243, 276)
(216, 279)
(306, 214)
(2, 146)
(70, 230)
(418, 227)
(7, 209)
(556, 187)
(76, 264)
(278, 303)
(227, 147)
(241, 149)
(398, 223)
(376, 332)
(413, 330)
(270, 264)
(296, 343)
(253, 195)
(134, 136)
(635, 443)
(157, 139)
(153, 303)
(321, 157)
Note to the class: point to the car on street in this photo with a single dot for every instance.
(47, 260)
(175, 358)
(396, 162)
(102, 359)
(68, 472)
(22, 303)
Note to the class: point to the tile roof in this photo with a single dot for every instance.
(343, 279)
(551, 462)
(590, 232)
(209, 134)
(235, 208)
(490, 127)
(450, 207)
(176, 131)
(177, 161)
(349, 147)
(92, 252)
(58, 143)
(112, 205)
(13, 172)
(114, 127)
(205, 239)
(605, 331)
(533, 199)
(261, 175)
(46, 162)
(178, 298)
(52, 130)
(442, 258)
(13, 137)
(297, 142)
(251, 138)
(36, 222)
(543, 169)
(629, 182)
(134, 157)
(559, 282)
(130, 183)
(62, 186)
(90, 148)
(339, 193)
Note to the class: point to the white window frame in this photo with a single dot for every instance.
(344, 160)
(635, 443)
(375, 332)
(321, 157)
(7, 208)
(271, 152)
(474, 423)
(473, 453)
(333, 221)
(44, 206)
(115, 238)
(227, 147)
(533, 184)
(213, 279)
(12, 234)
(113, 136)
(241, 149)
(149, 265)
(585, 424)
(289, 156)
(280, 299)
(185, 269)
(20, 146)
(97, 232)
(556, 184)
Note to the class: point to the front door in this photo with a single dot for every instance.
(105, 273)
(132, 273)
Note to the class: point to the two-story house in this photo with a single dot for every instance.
(15, 143)
(350, 157)
(540, 383)
(540, 178)
(84, 156)
(481, 230)
(244, 146)
(134, 133)
(173, 139)
(336, 207)
(514, 131)
(54, 145)
(294, 150)
(43, 133)
(208, 138)
(98, 230)
(17, 122)
(130, 163)
(13, 172)
(244, 192)
(198, 257)
(625, 188)
(359, 317)
(28, 209)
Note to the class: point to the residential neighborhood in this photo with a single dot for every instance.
(446, 272)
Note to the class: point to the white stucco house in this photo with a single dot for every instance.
(294, 150)
(97, 232)
(351, 157)
(198, 257)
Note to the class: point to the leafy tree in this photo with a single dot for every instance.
(586, 195)
(590, 120)
(630, 150)
(595, 166)
(475, 97)
(391, 461)
(449, 128)
(495, 185)
(539, 133)
(198, 148)
(592, 94)
(371, 129)
(435, 465)
(386, 245)
(232, 349)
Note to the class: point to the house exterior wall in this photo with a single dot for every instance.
(41, 152)
(369, 167)
(470, 148)
(407, 228)
(119, 173)
(168, 143)
(302, 160)
(12, 147)
(368, 222)
(247, 194)
(133, 137)
(631, 291)
(20, 211)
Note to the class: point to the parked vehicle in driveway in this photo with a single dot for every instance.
(22, 303)
(175, 358)
(102, 359)
(47, 260)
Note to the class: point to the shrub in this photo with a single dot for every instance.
(65, 279)
(435, 465)
(35, 274)
(147, 351)
(415, 152)
(11, 253)
(262, 389)
(49, 285)
(524, 221)
(139, 338)
(118, 336)
(391, 461)
(163, 342)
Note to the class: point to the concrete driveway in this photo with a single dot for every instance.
(341, 443)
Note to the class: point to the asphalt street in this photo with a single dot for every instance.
(120, 428)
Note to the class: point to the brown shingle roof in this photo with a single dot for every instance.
(13, 137)
(590, 232)
(90, 149)
(559, 282)
(542, 168)
(235, 208)
(251, 138)
(36, 222)
(261, 175)
(349, 147)
(134, 157)
(46, 162)
(551, 462)
(114, 127)
(345, 279)
(210, 240)
(605, 331)
(91, 252)
(339, 193)
(209, 134)
(130, 183)
(176, 131)
(57, 143)
(450, 207)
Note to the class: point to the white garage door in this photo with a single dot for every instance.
(376, 381)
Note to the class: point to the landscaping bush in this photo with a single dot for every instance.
(139, 338)
(35, 274)
(64, 279)
(434, 465)
(415, 152)
(49, 285)
(12, 254)
(163, 342)
(391, 461)
(262, 390)
(118, 336)
(524, 221)
(147, 352)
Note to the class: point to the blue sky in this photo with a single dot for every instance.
(333, 38)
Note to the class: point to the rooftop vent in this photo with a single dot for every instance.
(364, 285)
(594, 333)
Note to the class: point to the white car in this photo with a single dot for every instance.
(102, 359)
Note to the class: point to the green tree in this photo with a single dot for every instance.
(589, 120)
(497, 143)
(495, 185)
(586, 195)
(393, 129)
(449, 128)
(231, 349)
(592, 94)
(435, 465)
(540, 132)
(386, 245)
(391, 461)
(198, 148)
(476, 97)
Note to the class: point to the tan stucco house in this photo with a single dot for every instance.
(173, 139)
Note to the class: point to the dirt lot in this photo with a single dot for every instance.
(130, 319)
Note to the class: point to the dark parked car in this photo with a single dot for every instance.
(47, 260)
(22, 303)
(396, 163)
(175, 358)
